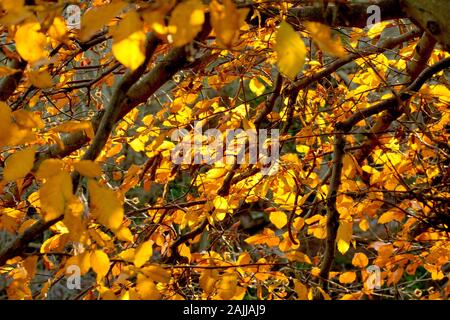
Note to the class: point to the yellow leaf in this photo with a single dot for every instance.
(49, 168)
(298, 256)
(128, 254)
(28, 119)
(256, 87)
(291, 51)
(19, 164)
(317, 226)
(301, 290)
(54, 193)
(58, 29)
(96, 18)
(278, 218)
(267, 237)
(226, 21)
(105, 206)
(71, 126)
(208, 280)
(364, 225)
(186, 21)
(55, 243)
(324, 38)
(227, 286)
(124, 234)
(83, 261)
(143, 253)
(348, 169)
(360, 260)
(147, 288)
(154, 15)
(390, 215)
(129, 41)
(221, 207)
(88, 168)
(30, 43)
(377, 29)
(40, 78)
(184, 251)
(73, 216)
(100, 263)
(344, 236)
(347, 277)
(157, 274)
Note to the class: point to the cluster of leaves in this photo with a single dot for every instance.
(148, 228)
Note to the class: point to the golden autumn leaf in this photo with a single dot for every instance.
(226, 21)
(54, 243)
(16, 12)
(154, 16)
(124, 234)
(360, 260)
(19, 164)
(82, 261)
(323, 37)
(96, 18)
(157, 273)
(147, 288)
(40, 78)
(73, 216)
(58, 29)
(226, 288)
(278, 218)
(186, 21)
(143, 252)
(290, 49)
(54, 193)
(128, 254)
(256, 87)
(27, 119)
(208, 280)
(317, 226)
(30, 42)
(267, 237)
(99, 263)
(129, 41)
(105, 206)
(301, 290)
(88, 168)
(391, 215)
(347, 277)
(49, 168)
(344, 236)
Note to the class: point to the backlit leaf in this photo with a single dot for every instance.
(278, 218)
(88, 168)
(100, 263)
(290, 49)
(186, 21)
(96, 18)
(344, 236)
(227, 286)
(129, 41)
(143, 253)
(19, 164)
(325, 39)
(226, 21)
(105, 206)
(360, 260)
(30, 42)
(347, 277)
